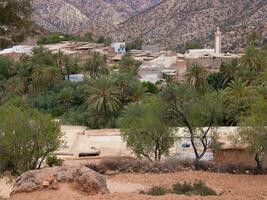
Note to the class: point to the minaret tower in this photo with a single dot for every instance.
(218, 41)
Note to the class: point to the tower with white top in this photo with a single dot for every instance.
(218, 41)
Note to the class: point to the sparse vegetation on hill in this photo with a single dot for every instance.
(174, 23)
(69, 16)
(54, 38)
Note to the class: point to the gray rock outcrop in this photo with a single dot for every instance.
(86, 179)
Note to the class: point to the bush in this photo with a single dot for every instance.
(157, 191)
(26, 137)
(127, 165)
(52, 161)
(198, 188)
(184, 188)
(203, 189)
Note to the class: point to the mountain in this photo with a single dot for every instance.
(75, 16)
(174, 22)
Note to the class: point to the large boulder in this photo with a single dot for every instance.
(85, 179)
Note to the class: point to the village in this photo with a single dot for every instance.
(156, 64)
(85, 146)
(133, 100)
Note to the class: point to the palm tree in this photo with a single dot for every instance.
(14, 86)
(229, 71)
(103, 95)
(137, 92)
(59, 61)
(43, 77)
(96, 65)
(197, 76)
(237, 98)
(255, 59)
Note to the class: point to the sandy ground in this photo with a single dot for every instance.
(127, 187)
(5, 187)
(79, 139)
(109, 141)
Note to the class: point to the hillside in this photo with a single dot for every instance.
(174, 22)
(75, 16)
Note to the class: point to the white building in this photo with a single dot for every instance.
(218, 41)
(198, 53)
(17, 49)
(119, 47)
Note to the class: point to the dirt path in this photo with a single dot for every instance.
(127, 186)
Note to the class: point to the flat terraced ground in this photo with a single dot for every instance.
(127, 187)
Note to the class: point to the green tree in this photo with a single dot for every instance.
(191, 45)
(255, 59)
(199, 114)
(215, 82)
(229, 72)
(26, 138)
(59, 57)
(150, 87)
(136, 44)
(197, 77)
(6, 71)
(237, 98)
(96, 65)
(144, 129)
(128, 65)
(103, 95)
(253, 131)
(44, 77)
(15, 23)
(129, 87)
(65, 97)
(14, 86)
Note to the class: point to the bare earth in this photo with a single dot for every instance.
(127, 187)
(5, 187)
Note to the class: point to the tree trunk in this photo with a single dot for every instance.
(259, 162)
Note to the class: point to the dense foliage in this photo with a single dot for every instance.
(26, 138)
(15, 23)
(145, 130)
(104, 96)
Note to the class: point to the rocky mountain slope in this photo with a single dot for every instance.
(74, 16)
(173, 22)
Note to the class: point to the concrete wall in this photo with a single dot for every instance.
(237, 156)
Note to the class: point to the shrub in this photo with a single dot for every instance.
(157, 191)
(203, 190)
(127, 164)
(26, 138)
(198, 188)
(184, 188)
(204, 166)
(52, 161)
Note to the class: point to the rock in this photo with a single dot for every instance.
(45, 183)
(86, 179)
(112, 172)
